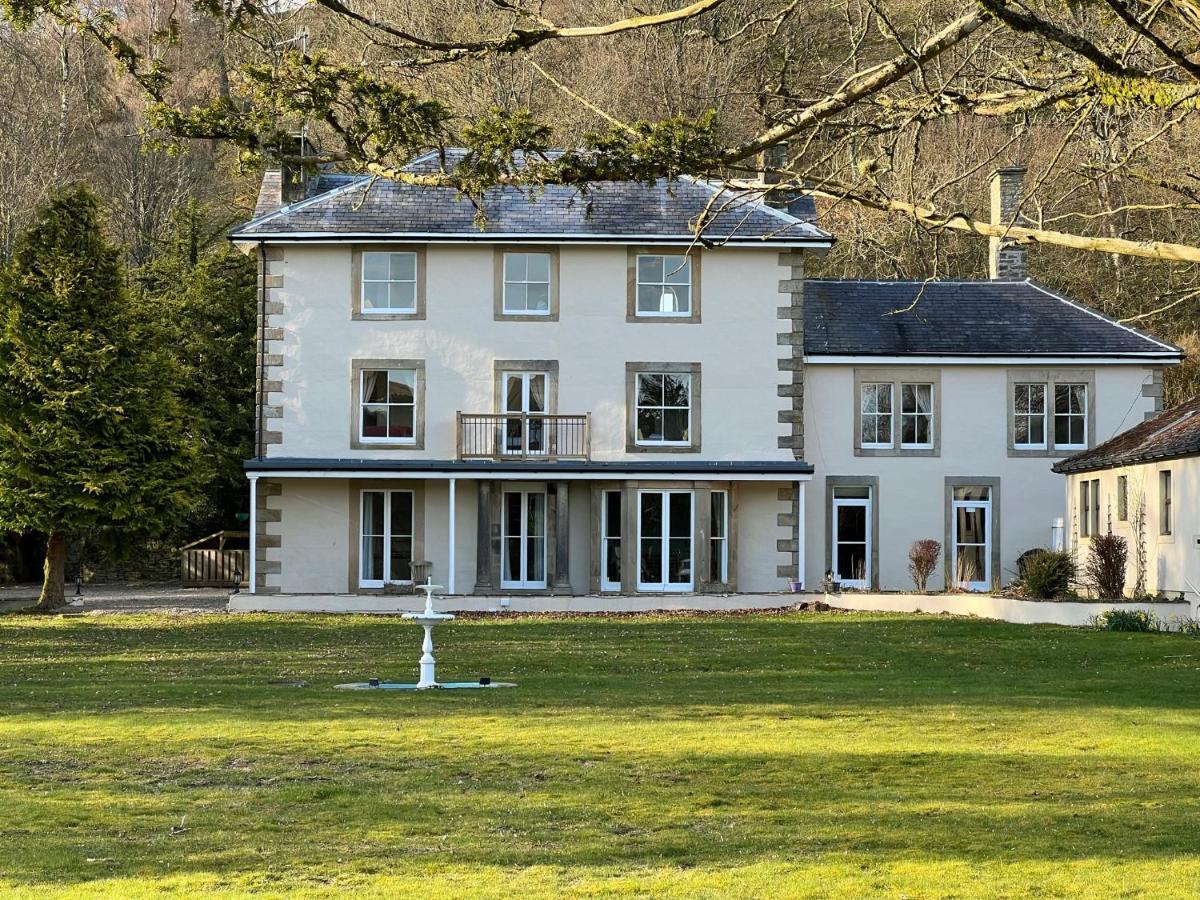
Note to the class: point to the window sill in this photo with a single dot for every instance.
(526, 317)
(916, 452)
(368, 444)
(665, 318)
(634, 447)
(388, 316)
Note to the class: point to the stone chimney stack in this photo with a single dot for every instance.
(774, 157)
(1006, 259)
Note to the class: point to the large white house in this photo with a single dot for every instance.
(576, 396)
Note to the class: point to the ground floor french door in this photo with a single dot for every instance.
(851, 539)
(523, 540)
(971, 534)
(665, 542)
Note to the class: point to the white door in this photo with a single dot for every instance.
(851, 540)
(523, 543)
(525, 395)
(665, 547)
(610, 540)
(971, 533)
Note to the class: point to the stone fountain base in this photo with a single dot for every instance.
(396, 686)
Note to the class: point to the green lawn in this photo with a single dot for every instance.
(782, 755)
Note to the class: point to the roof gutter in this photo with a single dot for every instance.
(322, 237)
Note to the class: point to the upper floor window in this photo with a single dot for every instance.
(664, 408)
(1050, 411)
(916, 416)
(389, 282)
(664, 286)
(1029, 416)
(388, 405)
(1070, 416)
(876, 415)
(1122, 498)
(526, 288)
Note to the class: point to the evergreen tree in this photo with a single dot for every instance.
(201, 292)
(92, 433)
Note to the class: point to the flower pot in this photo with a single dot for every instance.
(796, 587)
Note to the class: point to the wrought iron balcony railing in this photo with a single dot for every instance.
(528, 436)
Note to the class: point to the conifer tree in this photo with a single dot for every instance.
(92, 434)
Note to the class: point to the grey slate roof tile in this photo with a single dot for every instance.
(1168, 435)
(363, 205)
(960, 318)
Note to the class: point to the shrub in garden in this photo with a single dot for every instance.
(1024, 558)
(1127, 620)
(1104, 570)
(923, 558)
(1048, 574)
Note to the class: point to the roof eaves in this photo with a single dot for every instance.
(1171, 348)
(296, 207)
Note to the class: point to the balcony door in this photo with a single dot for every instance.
(852, 536)
(523, 543)
(665, 545)
(525, 411)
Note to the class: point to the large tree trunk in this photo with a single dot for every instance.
(53, 584)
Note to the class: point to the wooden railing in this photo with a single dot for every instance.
(528, 436)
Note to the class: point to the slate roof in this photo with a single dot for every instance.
(1168, 435)
(962, 319)
(348, 207)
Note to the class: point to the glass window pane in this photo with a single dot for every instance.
(372, 559)
(650, 269)
(515, 267)
(400, 422)
(679, 562)
(512, 513)
(852, 492)
(404, 266)
(374, 421)
(401, 385)
(401, 561)
(1037, 430)
(968, 492)
(717, 525)
(535, 523)
(674, 299)
(648, 298)
(537, 297)
(375, 295)
(402, 504)
(372, 504)
(651, 514)
(374, 386)
(612, 514)
(650, 390)
(515, 297)
(512, 559)
(651, 561)
(537, 393)
(1037, 398)
(538, 267)
(680, 506)
(403, 295)
(375, 267)
(852, 523)
(612, 561)
(677, 390)
(852, 561)
(675, 425)
(650, 425)
(678, 270)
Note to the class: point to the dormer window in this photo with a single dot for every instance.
(663, 287)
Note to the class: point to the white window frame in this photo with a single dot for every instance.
(638, 407)
(387, 536)
(984, 584)
(606, 539)
(1166, 504)
(877, 417)
(676, 262)
(667, 587)
(1030, 415)
(525, 539)
(363, 404)
(506, 281)
(916, 414)
(1055, 415)
(719, 543)
(867, 505)
(389, 281)
(1122, 498)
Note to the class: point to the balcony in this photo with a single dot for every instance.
(523, 436)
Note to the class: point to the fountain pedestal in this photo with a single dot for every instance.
(427, 618)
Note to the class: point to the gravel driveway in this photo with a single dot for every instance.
(140, 596)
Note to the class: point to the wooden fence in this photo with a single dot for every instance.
(219, 560)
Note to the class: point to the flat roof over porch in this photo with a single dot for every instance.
(517, 470)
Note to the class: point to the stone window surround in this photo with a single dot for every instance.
(632, 370)
(356, 310)
(701, 546)
(356, 489)
(898, 376)
(631, 310)
(548, 366)
(957, 481)
(1050, 377)
(498, 312)
(837, 481)
(357, 367)
(488, 557)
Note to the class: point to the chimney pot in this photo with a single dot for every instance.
(1006, 259)
(774, 157)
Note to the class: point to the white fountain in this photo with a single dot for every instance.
(426, 618)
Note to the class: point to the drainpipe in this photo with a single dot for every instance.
(453, 535)
(800, 536)
(253, 533)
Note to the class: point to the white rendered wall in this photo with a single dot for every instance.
(974, 436)
(459, 340)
